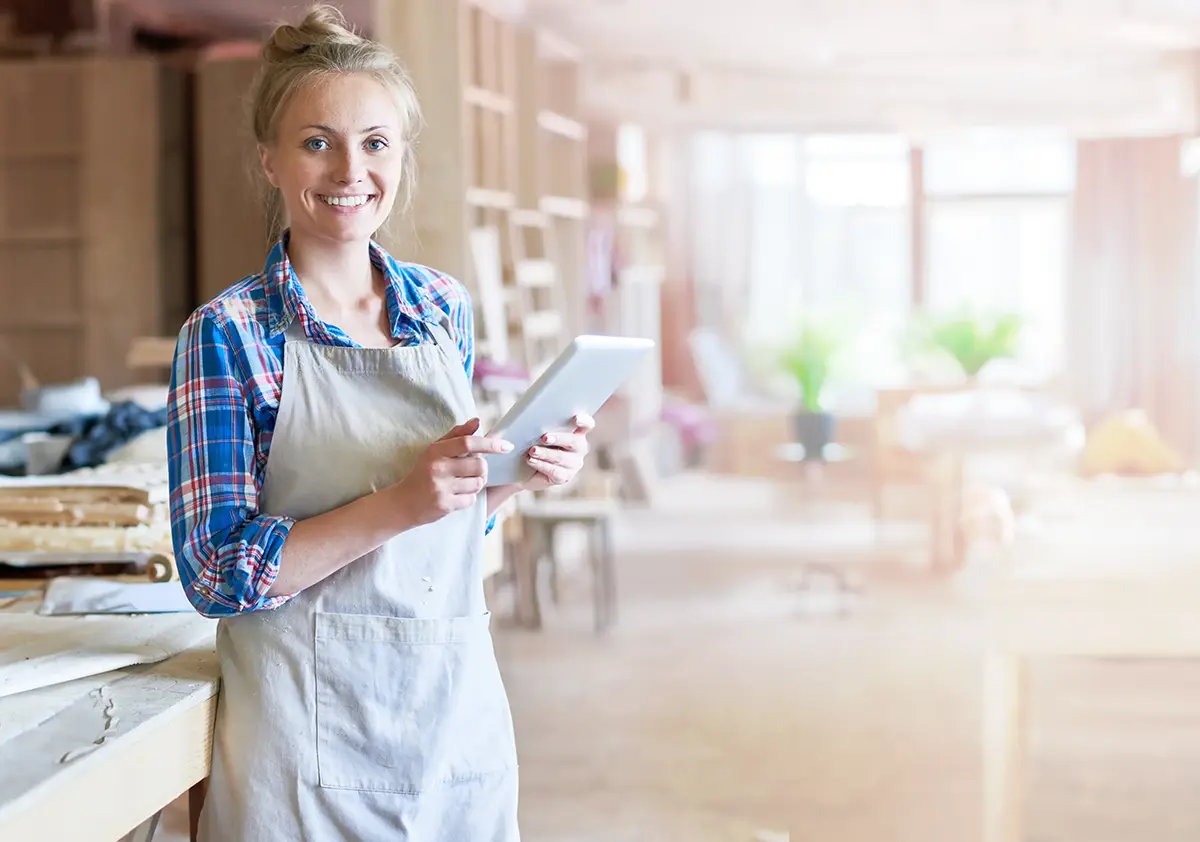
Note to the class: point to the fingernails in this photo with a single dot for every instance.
(506, 446)
(548, 439)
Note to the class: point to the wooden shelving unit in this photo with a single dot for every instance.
(94, 213)
(460, 55)
(553, 162)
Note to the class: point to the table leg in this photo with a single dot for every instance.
(948, 544)
(599, 579)
(1005, 745)
(196, 797)
(526, 561)
(144, 832)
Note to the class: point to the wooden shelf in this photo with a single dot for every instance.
(488, 100)
(560, 125)
(552, 139)
(481, 197)
(564, 207)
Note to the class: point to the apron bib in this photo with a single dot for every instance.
(370, 706)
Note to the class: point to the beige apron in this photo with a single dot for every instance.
(370, 707)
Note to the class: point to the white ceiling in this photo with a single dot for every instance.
(800, 34)
(1099, 66)
(1096, 66)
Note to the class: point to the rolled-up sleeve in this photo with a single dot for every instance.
(227, 552)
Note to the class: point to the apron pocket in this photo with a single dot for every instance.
(408, 705)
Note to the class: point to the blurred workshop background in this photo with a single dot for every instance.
(892, 538)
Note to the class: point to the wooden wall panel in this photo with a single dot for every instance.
(53, 353)
(120, 209)
(94, 214)
(40, 283)
(232, 238)
(41, 197)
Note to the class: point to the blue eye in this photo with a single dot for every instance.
(316, 144)
(377, 144)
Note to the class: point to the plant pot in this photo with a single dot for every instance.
(814, 430)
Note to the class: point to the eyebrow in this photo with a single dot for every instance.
(331, 130)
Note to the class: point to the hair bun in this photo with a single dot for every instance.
(323, 26)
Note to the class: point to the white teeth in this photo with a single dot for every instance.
(345, 201)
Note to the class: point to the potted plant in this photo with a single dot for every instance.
(807, 359)
(973, 341)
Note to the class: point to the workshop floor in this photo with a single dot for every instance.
(717, 710)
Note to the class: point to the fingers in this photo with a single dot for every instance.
(573, 442)
(465, 486)
(556, 473)
(559, 465)
(584, 424)
(467, 428)
(461, 466)
(464, 445)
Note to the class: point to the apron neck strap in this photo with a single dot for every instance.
(440, 336)
(295, 331)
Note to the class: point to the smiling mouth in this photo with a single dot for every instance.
(347, 201)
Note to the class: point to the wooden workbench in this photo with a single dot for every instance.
(1070, 608)
(56, 783)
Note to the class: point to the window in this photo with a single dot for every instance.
(787, 225)
(997, 232)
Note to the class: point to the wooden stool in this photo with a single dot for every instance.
(541, 519)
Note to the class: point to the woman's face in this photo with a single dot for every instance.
(337, 157)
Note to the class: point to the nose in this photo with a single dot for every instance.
(351, 167)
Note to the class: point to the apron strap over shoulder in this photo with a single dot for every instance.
(440, 336)
(295, 331)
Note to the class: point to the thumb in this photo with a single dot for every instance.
(467, 428)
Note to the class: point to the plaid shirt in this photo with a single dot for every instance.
(225, 389)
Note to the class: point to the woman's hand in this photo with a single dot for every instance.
(449, 475)
(558, 457)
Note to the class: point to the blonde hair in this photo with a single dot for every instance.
(324, 45)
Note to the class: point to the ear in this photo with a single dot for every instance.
(266, 158)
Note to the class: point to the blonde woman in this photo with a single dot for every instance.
(328, 498)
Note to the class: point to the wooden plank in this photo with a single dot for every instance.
(154, 728)
(564, 206)
(535, 273)
(1005, 746)
(42, 651)
(487, 100)
(1118, 616)
(562, 126)
(482, 198)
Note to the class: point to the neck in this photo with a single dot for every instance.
(340, 273)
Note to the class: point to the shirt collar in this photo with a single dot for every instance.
(407, 299)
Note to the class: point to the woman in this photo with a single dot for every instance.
(328, 497)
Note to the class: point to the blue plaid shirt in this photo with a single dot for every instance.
(224, 398)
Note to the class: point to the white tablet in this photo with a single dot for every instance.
(583, 377)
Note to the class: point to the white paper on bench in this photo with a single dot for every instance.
(95, 595)
(37, 651)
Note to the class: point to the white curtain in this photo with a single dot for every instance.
(1133, 312)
